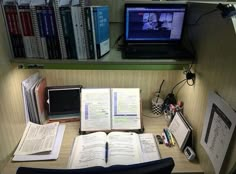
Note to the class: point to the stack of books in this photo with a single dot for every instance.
(57, 29)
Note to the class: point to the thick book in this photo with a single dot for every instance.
(116, 148)
(67, 28)
(90, 32)
(102, 33)
(27, 27)
(106, 109)
(13, 28)
(78, 26)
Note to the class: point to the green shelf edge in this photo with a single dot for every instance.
(71, 66)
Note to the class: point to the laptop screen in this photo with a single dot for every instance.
(161, 22)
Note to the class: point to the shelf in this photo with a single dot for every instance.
(111, 61)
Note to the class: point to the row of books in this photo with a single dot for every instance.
(57, 29)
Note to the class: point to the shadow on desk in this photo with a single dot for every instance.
(162, 166)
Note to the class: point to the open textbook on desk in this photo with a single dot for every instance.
(116, 148)
(106, 109)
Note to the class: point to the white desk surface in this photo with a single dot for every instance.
(151, 125)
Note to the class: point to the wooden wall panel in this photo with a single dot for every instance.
(214, 39)
(147, 81)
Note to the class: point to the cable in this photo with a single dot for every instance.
(117, 40)
(177, 85)
(204, 14)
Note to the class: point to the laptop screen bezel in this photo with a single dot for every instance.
(161, 5)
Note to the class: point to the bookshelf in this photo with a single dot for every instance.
(111, 61)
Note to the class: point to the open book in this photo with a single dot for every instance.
(116, 148)
(104, 109)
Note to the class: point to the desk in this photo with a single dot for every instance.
(153, 125)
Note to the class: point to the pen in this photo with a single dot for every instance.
(106, 152)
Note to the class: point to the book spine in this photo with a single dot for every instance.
(67, 26)
(27, 31)
(53, 33)
(82, 34)
(90, 34)
(94, 33)
(42, 31)
(12, 22)
(101, 23)
(36, 32)
(75, 19)
(60, 30)
(85, 32)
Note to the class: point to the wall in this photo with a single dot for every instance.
(12, 121)
(215, 42)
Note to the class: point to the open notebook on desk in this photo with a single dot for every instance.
(106, 109)
(116, 148)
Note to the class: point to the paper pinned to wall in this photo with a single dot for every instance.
(219, 124)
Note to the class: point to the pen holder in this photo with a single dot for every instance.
(157, 104)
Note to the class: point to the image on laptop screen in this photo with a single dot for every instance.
(154, 22)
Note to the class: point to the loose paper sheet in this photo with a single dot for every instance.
(219, 124)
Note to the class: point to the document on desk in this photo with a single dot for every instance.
(116, 148)
(51, 155)
(219, 125)
(105, 109)
(126, 108)
(95, 109)
(37, 138)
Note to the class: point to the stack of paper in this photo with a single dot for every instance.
(40, 142)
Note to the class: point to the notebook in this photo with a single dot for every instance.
(154, 30)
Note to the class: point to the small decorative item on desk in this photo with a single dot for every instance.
(170, 111)
(157, 102)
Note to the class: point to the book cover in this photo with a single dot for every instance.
(102, 32)
(89, 25)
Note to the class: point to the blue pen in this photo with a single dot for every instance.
(106, 152)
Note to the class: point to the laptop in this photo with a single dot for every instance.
(154, 31)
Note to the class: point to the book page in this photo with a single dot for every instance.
(95, 109)
(123, 148)
(126, 108)
(88, 151)
(37, 138)
(149, 147)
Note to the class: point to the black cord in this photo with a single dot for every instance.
(177, 85)
(202, 15)
(117, 40)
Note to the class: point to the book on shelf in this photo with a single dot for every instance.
(40, 142)
(67, 28)
(12, 22)
(106, 109)
(26, 25)
(115, 148)
(46, 22)
(102, 32)
(78, 26)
